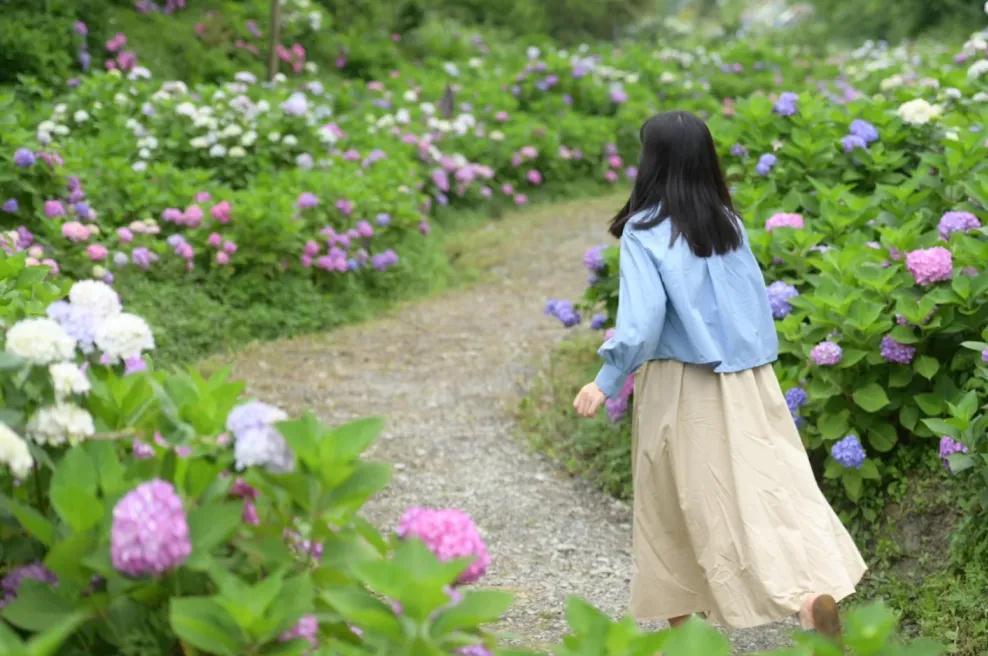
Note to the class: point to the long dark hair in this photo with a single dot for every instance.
(679, 171)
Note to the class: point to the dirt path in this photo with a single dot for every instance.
(447, 373)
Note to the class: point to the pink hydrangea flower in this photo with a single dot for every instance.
(784, 220)
(215, 239)
(449, 534)
(222, 258)
(75, 231)
(534, 177)
(125, 235)
(54, 208)
(192, 216)
(150, 533)
(930, 265)
(221, 211)
(96, 252)
(306, 629)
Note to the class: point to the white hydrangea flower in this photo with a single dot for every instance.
(40, 341)
(451, 69)
(977, 69)
(919, 112)
(290, 140)
(496, 135)
(274, 137)
(232, 130)
(139, 166)
(218, 150)
(892, 82)
(68, 379)
(80, 116)
(311, 67)
(533, 52)
(123, 336)
(410, 96)
(249, 138)
(61, 130)
(980, 97)
(428, 108)
(186, 109)
(237, 152)
(95, 296)
(199, 142)
(246, 77)
(951, 135)
(14, 452)
(279, 78)
(60, 423)
(953, 93)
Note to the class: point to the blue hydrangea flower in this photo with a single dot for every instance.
(786, 104)
(849, 452)
(593, 259)
(765, 164)
(779, 294)
(598, 320)
(853, 142)
(864, 129)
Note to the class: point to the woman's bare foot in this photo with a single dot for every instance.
(819, 612)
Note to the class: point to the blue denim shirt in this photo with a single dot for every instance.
(673, 305)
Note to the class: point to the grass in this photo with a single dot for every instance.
(914, 552)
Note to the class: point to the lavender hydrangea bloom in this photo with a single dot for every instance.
(564, 311)
(893, 351)
(77, 321)
(765, 164)
(24, 158)
(11, 584)
(593, 259)
(786, 104)
(150, 533)
(795, 399)
(306, 200)
(864, 129)
(779, 293)
(849, 452)
(949, 446)
(256, 440)
(853, 142)
(448, 533)
(984, 355)
(952, 222)
(738, 150)
(474, 650)
(826, 353)
(10, 205)
(307, 628)
(598, 320)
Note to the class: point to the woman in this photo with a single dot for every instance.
(728, 518)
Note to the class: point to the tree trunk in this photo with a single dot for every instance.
(273, 38)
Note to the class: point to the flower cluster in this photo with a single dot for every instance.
(786, 104)
(562, 310)
(14, 453)
(861, 135)
(779, 295)
(952, 222)
(893, 351)
(307, 628)
(256, 440)
(826, 354)
(11, 583)
(948, 447)
(449, 534)
(795, 399)
(784, 220)
(930, 265)
(150, 533)
(849, 452)
(919, 112)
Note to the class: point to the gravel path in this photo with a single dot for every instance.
(447, 373)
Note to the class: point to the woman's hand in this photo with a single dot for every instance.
(589, 400)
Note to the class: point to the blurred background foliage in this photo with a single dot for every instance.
(34, 46)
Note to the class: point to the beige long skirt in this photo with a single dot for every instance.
(728, 517)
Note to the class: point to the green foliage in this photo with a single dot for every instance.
(871, 19)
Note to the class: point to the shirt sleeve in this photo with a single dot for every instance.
(640, 316)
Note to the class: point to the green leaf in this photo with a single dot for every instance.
(202, 623)
(33, 522)
(694, 637)
(900, 377)
(908, 416)
(931, 404)
(49, 642)
(967, 406)
(477, 607)
(73, 490)
(364, 610)
(37, 607)
(852, 483)
(926, 366)
(832, 426)
(212, 523)
(871, 397)
(348, 441)
(882, 437)
(941, 427)
(869, 470)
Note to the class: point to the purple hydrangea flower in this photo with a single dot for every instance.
(826, 353)
(984, 355)
(593, 259)
(598, 320)
(786, 104)
(852, 142)
(765, 164)
(737, 150)
(849, 452)
(150, 534)
(930, 265)
(54, 208)
(142, 257)
(141, 450)
(564, 311)
(11, 583)
(306, 200)
(10, 205)
(77, 321)
(448, 533)
(306, 629)
(474, 650)
(952, 222)
(949, 446)
(895, 352)
(385, 260)
(779, 293)
(617, 407)
(865, 130)
(383, 219)
(24, 158)
(795, 399)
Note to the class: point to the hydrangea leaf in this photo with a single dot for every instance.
(871, 397)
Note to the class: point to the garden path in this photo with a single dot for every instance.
(447, 372)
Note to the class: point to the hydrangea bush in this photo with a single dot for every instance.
(865, 211)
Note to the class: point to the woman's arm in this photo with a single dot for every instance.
(640, 316)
